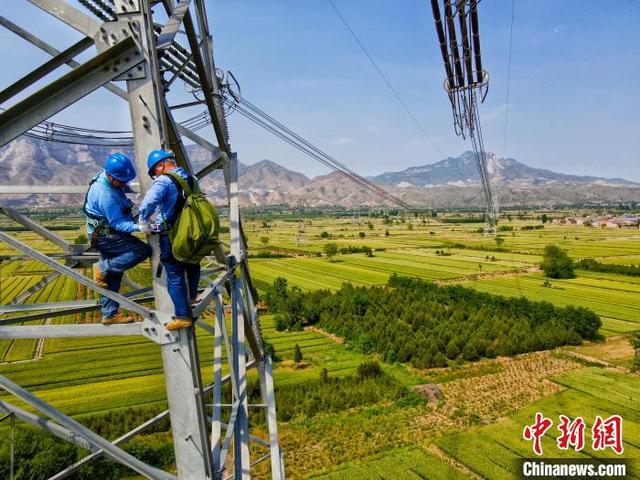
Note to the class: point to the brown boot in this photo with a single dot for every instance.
(117, 318)
(179, 322)
(99, 277)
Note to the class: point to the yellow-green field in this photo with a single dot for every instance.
(457, 438)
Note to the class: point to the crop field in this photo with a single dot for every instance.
(82, 376)
(486, 404)
(401, 464)
(314, 273)
(489, 451)
(612, 297)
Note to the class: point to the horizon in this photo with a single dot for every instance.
(297, 61)
(438, 161)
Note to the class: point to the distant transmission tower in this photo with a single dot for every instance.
(301, 237)
(466, 83)
(138, 59)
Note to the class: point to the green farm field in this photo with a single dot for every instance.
(489, 451)
(388, 439)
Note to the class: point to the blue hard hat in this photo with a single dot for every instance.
(158, 156)
(120, 167)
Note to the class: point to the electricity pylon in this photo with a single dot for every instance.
(135, 49)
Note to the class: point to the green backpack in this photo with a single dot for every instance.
(194, 233)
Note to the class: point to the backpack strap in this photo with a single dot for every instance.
(185, 189)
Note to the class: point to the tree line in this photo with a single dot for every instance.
(595, 266)
(427, 325)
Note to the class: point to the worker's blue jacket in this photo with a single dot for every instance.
(110, 205)
(162, 198)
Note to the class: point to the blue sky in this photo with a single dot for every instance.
(574, 100)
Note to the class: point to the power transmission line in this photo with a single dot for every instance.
(262, 119)
(385, 79)
(506, 113)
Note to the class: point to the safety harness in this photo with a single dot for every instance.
(99, 223)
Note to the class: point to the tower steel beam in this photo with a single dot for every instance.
(121, 299)
(95, 441)
(70, 15)
(44, 69)
(191, 449)
(197, 437)
(68, 89)
(42, 45)
(35, 227)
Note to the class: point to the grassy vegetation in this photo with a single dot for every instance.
(614, 300)
(489, 451)
(401, 464)
(380, 437)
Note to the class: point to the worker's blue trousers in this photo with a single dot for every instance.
(118, 252)
(181, 290)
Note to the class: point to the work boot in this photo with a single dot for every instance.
(117, 318)
(99, 277)
(179, 322)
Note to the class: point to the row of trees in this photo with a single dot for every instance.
(40, 455)
(595, 266)
(429, 325)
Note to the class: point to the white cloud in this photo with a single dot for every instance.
(343, 141)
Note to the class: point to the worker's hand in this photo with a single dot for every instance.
(144, 227)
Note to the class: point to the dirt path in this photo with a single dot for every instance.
(489, 275)
(452, 461)
(39, 351)
(40, 345)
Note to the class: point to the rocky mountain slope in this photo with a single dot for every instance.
(452, 182)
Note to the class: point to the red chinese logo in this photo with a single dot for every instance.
(608, 433)
(605, 433)
(536, 431)
(571, 433)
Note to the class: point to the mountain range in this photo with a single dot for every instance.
(452, 182)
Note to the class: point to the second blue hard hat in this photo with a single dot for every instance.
(120, 167)
(157, 156)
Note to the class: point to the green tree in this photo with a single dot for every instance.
(330, 250)
(297, 354)
(370, 369)
(361, 234)
(264, 241)
(81, 239)
(325, 235)
(499, 241)
(277, 295)
(556, 263)
(386, 233)
(440, 360)
(370, 225)
(544, 218)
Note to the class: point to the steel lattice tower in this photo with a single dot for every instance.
(134, 49)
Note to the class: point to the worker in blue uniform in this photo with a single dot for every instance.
(110, 225)
(165, 200)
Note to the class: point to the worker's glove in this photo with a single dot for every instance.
(144, 227)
